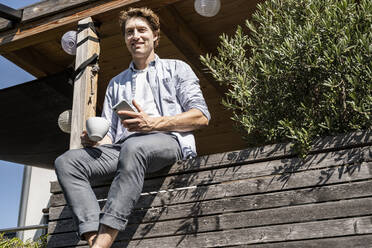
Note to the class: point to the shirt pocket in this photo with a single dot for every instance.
(168, 95)
(169, 86)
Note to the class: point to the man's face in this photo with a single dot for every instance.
(139, 37)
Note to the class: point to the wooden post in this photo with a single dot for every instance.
(85, 86)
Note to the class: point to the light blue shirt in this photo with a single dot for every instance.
(175, 88)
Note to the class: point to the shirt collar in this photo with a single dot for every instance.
(152, 63)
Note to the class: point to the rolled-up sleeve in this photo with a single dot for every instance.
(107, 112)
(188, 89)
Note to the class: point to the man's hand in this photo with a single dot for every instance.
(139, 121)
(184, 122)
(85, 141)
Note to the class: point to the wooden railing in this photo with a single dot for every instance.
(260, 197)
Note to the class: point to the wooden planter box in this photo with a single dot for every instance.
(258, 197)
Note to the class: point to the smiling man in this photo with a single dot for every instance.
(169, 104)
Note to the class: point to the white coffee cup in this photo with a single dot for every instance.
(97, 128)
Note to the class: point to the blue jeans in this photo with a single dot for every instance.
(126, 162)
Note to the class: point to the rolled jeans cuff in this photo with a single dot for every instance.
(113, 221)
(87, 227)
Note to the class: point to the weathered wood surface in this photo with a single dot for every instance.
(360, 241)
(209, 217)
(271, 168)
(262, 197)
(45, 28)
(342, 209)
(265, 153)
(254, 235)
(45, 8)
(85, 85)
(362, 208)
(214, 201)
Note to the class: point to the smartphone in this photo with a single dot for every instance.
(123, 106)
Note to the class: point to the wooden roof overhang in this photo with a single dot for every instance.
(34, 45)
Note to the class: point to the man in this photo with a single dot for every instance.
(167, 96)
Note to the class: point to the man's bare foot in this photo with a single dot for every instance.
(90, 237)
(106, 236)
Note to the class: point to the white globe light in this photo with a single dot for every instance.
(69, 41)
(207, 8)
(64, 121)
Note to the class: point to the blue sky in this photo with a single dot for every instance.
(10, 173)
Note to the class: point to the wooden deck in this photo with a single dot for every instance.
(259, 197)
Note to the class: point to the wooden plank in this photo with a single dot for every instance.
(46, 28)
(10, 13)
(352, 139)
(359, 241)
(85, 86)
(213, 200)
(167, 221)
(265, 153)
(232, 221)
(283, 174)
(311, 178)
(32, 68)
(282, 169)
(33, 59)
(45, 8)
(254, 186)
(218, 160)
(255, 235)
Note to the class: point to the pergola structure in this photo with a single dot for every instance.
(29, 131)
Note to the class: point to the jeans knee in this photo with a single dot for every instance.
(64, 165)
(132, 149)
(132, 158)
(59, 164)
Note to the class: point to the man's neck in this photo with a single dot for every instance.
(142, 63)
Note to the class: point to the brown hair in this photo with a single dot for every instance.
(146, 13)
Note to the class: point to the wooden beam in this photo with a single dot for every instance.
(10, 13)
(32, 68)
(46, 8)
(33, 61)
(85, 86)
(45, 29)
(186, 40)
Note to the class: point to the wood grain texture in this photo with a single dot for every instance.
(45, 28)
(360, 241)
(236, 166)
(267, 153)
(254, 235)
(212, 218)
(302, 179)
(242, 199)
(45, 8)
(85, 85)
(213, 200)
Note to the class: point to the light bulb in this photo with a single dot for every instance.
(64, 121)
(207, 8)
(68, 42)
